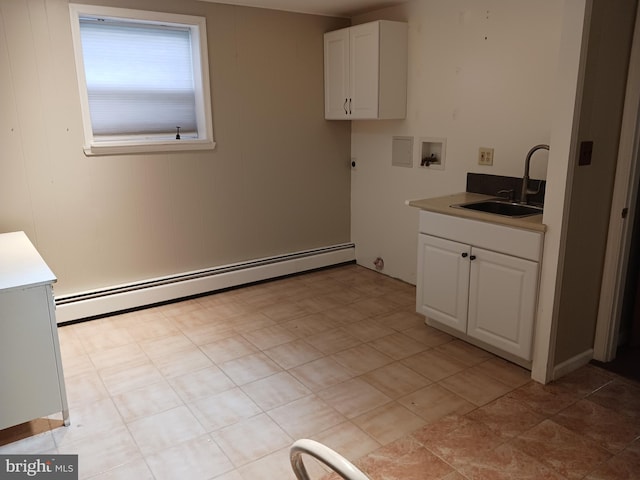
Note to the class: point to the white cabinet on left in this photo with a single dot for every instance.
(365, 71)
(30, 364)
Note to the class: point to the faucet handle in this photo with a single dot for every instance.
(509, 194)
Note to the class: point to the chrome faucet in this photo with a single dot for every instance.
(525, 179)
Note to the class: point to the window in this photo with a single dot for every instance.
(143, 79)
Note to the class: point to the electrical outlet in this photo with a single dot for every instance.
(485, 156)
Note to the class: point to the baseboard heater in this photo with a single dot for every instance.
(109, 300)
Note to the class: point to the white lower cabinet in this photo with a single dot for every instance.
(31, 377)
(482, 293)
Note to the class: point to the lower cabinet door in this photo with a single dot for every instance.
(443, 281)
(502, 301)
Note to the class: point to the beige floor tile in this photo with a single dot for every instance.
(146, 380)
(332, 341)
(367, 330)
(158, 347)
(125, 377)
(345, 315)
(321, 373)
(149, 327)
(103, 452)
(389, 422)
(228, 348)
(196, 459)
(252, 321)
(397, 346)
(249, 368)
(348, 440)
(89, 421)
(146, 401)
(194, 318)
(353, 397)
(464, 352)
(475, 386)
(305, 417)
(77, 365)
(224, 310)
(402, 320)
(434, 365)
(101, 335)
(275, 390)
(130, 354)
(430, 336)
(182, 362)
(396, 380)
(307, 325)
(293, 354)
(84, 389)
(251, 439)
(26, 440)
(434, 402)
(361, 359)
(277, 465)
(224, 409)
(137, 469)
(208, 332)
(165, 429)
(506, 372)
(269, 337)
(284, 311)
(374, 306)
(70, 344)
(201, 383)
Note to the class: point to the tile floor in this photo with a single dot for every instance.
(220, 386)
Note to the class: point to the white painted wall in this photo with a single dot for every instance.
(481, 73)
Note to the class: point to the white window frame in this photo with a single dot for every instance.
(135, 144)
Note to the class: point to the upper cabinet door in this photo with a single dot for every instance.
(364, 70)
(336, 74)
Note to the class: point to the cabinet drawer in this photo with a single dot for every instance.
(509, 240)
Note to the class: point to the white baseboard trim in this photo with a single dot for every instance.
(572, 364)
(149, 292)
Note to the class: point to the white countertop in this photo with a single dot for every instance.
(20, 263)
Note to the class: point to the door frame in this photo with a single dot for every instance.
(625, 194)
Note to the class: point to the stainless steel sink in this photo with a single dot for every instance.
(502, 207)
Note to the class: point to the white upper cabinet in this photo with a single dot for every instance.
(365, 71)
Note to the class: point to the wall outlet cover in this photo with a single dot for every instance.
(485, 156)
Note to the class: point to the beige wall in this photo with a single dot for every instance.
(277, 182)
(610, 34)
(481, 74)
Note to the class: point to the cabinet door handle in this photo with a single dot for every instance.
(349, 106)
(344, 105)
(465, 254)
(472, 257)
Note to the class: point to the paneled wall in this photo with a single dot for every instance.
(277, 182)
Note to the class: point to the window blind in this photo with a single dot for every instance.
(139, 78)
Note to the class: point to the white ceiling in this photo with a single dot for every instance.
(332, 8)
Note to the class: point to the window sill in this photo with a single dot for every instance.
(124, 148)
